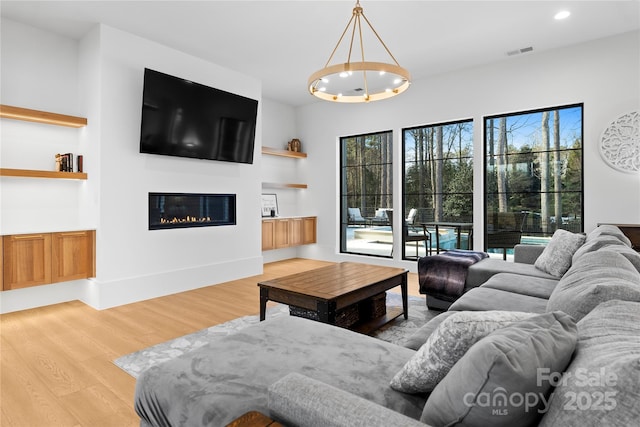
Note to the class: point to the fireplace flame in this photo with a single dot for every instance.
(185, 220)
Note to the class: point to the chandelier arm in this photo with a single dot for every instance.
(339, 41)
(353, 34)
(364, 73)
(380, 39)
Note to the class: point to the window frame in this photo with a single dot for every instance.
(485, 158)
(343, 213)
(405, 212)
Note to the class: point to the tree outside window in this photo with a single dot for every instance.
(366, 196)
(438, 183)
(534, 176)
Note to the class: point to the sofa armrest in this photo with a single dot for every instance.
(527, 254)
(303, 401)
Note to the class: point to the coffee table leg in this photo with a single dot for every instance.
(327, 312)
(264, 297)
(405, 303)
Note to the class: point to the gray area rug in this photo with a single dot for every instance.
(396, 332)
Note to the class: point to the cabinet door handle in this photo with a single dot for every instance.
(29, 237)
(76, 233)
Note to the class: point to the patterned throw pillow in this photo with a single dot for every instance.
(505, 378)
(447, 344)
(557, 255)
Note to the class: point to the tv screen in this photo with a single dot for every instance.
(186, 119)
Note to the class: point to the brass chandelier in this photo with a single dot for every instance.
(359, 81)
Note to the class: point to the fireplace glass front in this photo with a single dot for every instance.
(184, 210)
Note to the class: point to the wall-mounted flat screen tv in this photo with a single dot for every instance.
(187, 119)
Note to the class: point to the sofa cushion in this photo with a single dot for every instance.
(524, 285)
(600, 386)
(495, 299)
(483, 270)
(628, 253)
(491, 384)
(608, 230)
(220, 381)
(447, 344)
(556, 257)
(596, 277)
(527, 253)
(610, 243)
(302, 401)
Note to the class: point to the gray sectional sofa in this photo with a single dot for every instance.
(519, 349)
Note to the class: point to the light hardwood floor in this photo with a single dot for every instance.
(57, 361)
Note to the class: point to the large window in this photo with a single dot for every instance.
(366, 195)
(437, 187)
(534, 175)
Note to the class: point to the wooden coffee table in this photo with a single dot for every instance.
(329, 289)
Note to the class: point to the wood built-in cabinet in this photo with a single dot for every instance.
(44, 258)
(278, 233)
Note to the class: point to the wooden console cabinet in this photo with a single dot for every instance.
(44, 258)
(26, 260)
(72, 255)
(278, 233)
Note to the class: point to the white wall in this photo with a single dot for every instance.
(132, 262)
(39, 70)
(602, 74)
(101, 78)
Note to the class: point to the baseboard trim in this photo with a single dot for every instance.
(103, 295)
(107, 294)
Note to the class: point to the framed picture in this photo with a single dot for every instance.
(269, 205)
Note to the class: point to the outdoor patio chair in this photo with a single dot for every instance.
(416, 233)
(413, 233)
(507, 231)
(381, 217)
(354, 217)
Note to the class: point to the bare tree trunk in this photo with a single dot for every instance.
(389, 181)
(501, 166)
(420, 163)
(439, 208)
(363, 172)
(557, 171)
(384, 172)
(544, 173)
(432, 170)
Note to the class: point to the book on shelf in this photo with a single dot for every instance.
(64, 162)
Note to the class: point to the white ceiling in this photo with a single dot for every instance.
(283, 42)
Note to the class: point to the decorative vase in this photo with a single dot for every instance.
(295, 145)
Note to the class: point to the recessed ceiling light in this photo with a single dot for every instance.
(564, 14)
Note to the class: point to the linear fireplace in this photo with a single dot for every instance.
(183, 210)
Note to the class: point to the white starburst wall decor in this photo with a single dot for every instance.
(620, 143)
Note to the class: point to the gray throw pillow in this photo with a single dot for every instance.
(500, 380)
(600, 386)
(557, 255)
(447, 344)
(422, 334)
(596, 277)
